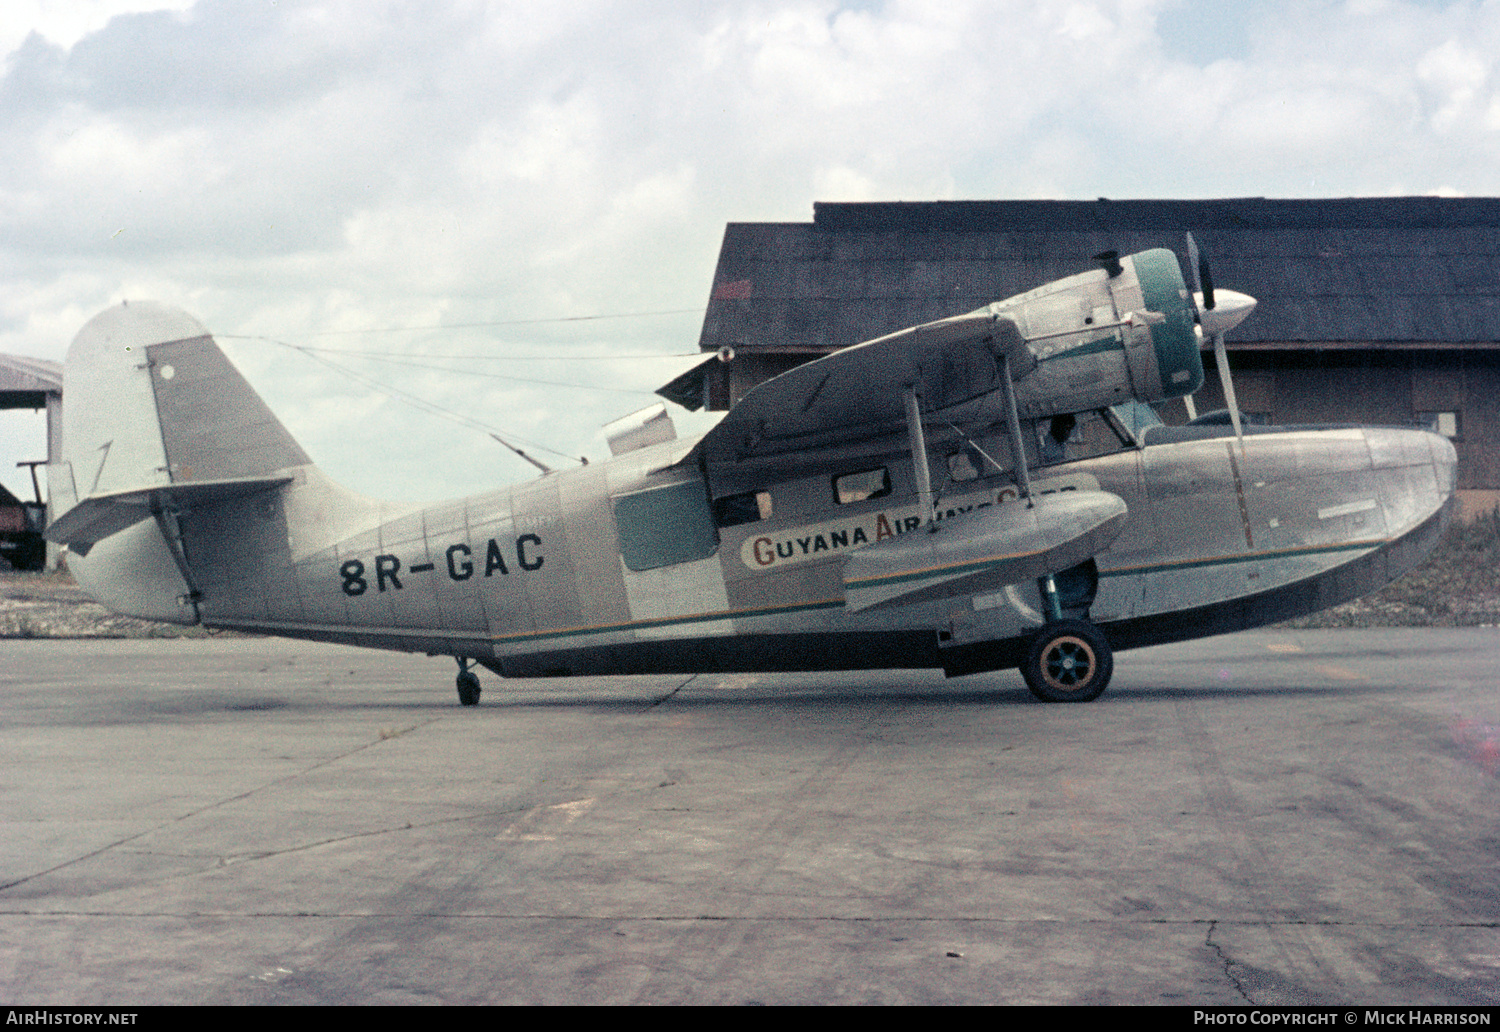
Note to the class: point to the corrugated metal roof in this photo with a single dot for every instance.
(26, 382)
(1399, 269)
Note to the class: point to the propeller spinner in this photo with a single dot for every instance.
(1231, 310)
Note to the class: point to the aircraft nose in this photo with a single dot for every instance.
(1416, 470)
(1230, 309)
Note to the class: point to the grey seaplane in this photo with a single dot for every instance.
(983, 492)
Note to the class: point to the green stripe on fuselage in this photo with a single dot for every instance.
(1248, 557)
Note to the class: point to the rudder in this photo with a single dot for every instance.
(155, 419)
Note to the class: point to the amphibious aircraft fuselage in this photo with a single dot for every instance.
(979, 493)
(531, 581)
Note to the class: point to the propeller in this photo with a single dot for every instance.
(1218, 313)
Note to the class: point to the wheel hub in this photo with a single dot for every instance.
(1069, 663)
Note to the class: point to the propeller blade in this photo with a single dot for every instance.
(1221, 359)
(1213, 322)
(1203, 279)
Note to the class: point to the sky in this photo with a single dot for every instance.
(541, 189)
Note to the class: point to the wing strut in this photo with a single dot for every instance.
(1013, 428)
(919, 456)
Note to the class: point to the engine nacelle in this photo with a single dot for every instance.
(1109, 335)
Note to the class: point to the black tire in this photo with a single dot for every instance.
(32, 555)
(1069, 661)
(468, 688)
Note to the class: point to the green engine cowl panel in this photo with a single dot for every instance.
(1177, 351)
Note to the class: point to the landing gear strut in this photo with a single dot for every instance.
(468, 683)
(1069, 659)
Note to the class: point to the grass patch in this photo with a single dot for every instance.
(1458, 586)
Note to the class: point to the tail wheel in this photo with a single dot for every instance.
(1069, 661)
(468, 688)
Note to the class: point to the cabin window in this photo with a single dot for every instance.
(861, 486)
(665, 526)
(746, 507)
(962, 466)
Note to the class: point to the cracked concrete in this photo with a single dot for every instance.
(1275, 818)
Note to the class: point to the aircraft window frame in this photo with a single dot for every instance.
(665, 525)
(736, 510)
(961, 462)
(1053, 453)
(849, 491)
(1121, 431)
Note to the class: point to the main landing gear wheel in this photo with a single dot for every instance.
(1069, 661)
(468, 688)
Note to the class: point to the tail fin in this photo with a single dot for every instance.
(155, 419)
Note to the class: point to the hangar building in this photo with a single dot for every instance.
(1372, 310)
(34, 383)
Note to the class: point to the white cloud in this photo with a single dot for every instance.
(65, 23)
(316, 165)
(1456, 75)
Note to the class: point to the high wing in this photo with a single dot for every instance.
(858, 392)
(1097, 338)
(1094, 339)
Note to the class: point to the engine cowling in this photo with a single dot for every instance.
(1107, 336)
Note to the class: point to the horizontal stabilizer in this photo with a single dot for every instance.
(984, 550)
(96, 518)
(156, 418)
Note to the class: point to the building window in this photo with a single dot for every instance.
(1449, 424)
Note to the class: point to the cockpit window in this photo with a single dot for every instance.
(1056, 434)
(989, 455)
(1083, 435)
